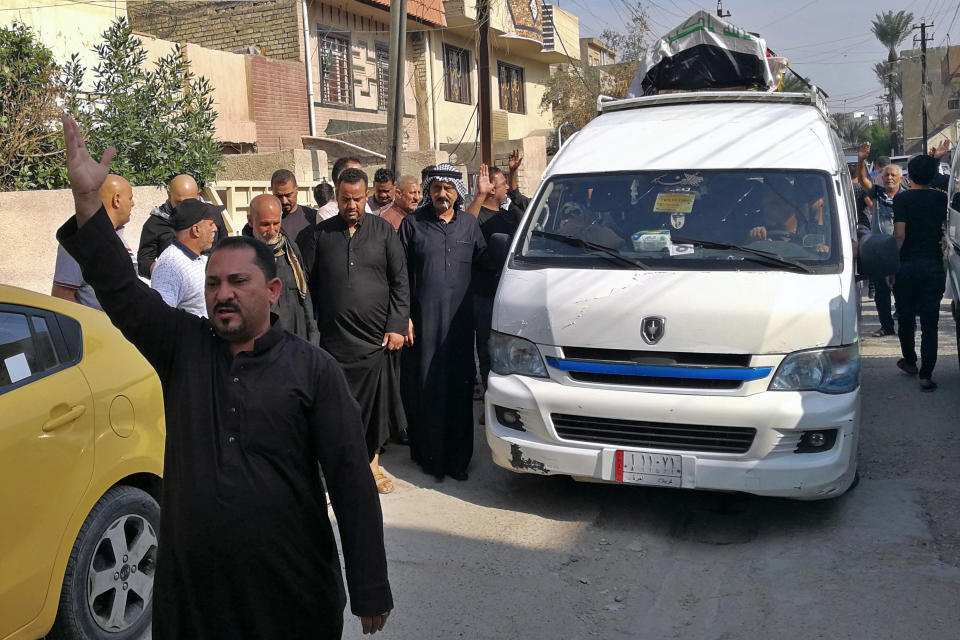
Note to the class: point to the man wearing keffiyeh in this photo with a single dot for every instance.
(294, 306)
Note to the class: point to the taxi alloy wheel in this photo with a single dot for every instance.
(108, 586)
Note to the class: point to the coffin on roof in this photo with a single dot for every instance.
(703, 53)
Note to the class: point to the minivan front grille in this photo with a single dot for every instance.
(665, 358)
(652, 381)
(654, 435)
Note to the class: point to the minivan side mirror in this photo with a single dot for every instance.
(498, 248)
(878, 255)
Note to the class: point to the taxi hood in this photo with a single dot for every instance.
(734, 312)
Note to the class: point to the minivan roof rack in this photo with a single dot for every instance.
(813, 98)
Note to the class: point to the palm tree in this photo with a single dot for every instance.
(891, 29)
(793, 83)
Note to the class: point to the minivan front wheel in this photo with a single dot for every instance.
(108, 585)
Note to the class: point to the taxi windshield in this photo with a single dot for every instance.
(702, 220)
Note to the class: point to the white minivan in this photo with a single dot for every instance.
(679, 306)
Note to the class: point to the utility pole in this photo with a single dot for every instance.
(923, 76)
(720, 13)
(484, 106)
(398, 53)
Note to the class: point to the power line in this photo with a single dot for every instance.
(790, 13)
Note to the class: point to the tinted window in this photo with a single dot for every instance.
(18, 359)
(46, 353)
(686, 220)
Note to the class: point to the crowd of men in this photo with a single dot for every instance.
(390, 277)
(914, 213)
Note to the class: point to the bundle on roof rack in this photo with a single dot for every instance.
(704, 53)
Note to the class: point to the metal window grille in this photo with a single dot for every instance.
(456, 73)
(335, 85)
(511, 88)
(383, 78)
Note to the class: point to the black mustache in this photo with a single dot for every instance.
(226, 307)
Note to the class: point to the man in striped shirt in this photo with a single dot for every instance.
(116, 194)
(179, 273)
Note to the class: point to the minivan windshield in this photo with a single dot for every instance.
(686, 220)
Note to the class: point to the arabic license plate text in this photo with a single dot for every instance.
(654, 469)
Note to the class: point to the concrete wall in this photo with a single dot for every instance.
(271, 25)
(30, 248)
(65, 26)
(227, 74)
(309, 167)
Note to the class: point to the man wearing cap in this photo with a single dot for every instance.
(442, 244)
(157, 232)
(178, 275)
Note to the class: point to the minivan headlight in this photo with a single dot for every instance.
(513, 355)
(831, 370)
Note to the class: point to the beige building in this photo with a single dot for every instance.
(595, 53)
(64, 26)
(943, 96)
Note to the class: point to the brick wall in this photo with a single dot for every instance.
(273, 25)
(278, 95)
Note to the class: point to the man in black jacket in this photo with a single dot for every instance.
(157, 232)
(296, 218)
(246, 546)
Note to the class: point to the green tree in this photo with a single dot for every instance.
(878, 136)
(573, 89)
(794, 84)
(630, 45)
(161, 121)
(30, 145)
(891, 28)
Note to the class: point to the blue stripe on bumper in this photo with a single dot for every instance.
(660, 371)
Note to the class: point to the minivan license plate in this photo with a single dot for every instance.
(656, 469)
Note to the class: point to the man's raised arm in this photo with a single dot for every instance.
(862, 154)
(89, 236)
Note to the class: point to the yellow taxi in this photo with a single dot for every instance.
(81, 456)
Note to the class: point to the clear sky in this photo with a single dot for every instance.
(828, 41)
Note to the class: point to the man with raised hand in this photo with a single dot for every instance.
(246, 549)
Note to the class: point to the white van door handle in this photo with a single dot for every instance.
(66, 418)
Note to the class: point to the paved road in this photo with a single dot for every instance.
(512, 556)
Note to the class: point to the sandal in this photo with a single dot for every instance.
(384, 484)
(880, 333)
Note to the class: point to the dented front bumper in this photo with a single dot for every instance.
(769, 467)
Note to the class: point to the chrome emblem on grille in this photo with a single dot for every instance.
(652, 329)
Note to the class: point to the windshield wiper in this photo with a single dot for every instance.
(586, 244)
(769, 256)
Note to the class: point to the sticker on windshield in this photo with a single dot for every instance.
(658, 240)
(674, 203)
(677, 220)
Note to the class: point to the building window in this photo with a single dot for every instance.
(383, 77)
(511, 88)
(456, 74)
(953, 104)
(335, 85)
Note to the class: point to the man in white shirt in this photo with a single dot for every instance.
(331, 209)
(179, 273)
